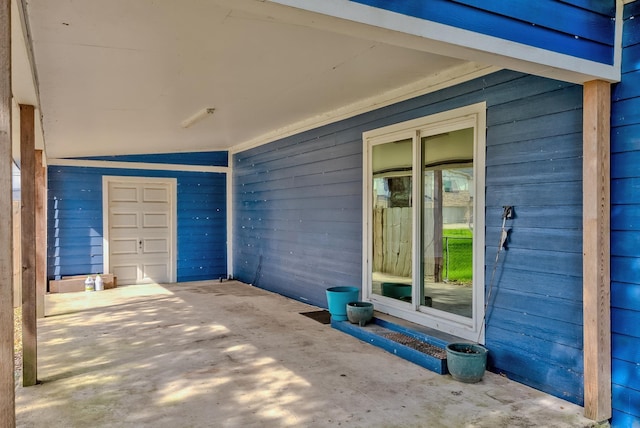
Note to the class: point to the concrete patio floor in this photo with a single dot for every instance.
(211, 354)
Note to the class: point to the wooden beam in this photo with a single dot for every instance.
(28, 228)
(596, 249)
(41, 232)
(7, 381)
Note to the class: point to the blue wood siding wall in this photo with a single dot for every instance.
(580, 28)
(298, 217)
(625, 228)
(191, 158)
(75, 221)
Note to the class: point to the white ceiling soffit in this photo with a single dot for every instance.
(23, 85)
(120, 76)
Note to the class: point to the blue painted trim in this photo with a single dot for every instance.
(423, 360)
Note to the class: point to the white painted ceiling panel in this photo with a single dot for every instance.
(119, 76)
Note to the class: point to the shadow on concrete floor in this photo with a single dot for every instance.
(211, 354)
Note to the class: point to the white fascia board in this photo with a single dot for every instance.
(420, 34)
(450, 77)
(137, 165)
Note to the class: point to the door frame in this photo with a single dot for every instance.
(173, 232)
(464, 117)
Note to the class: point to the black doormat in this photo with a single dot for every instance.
(323, 317)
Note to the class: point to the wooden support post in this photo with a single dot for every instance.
(41, 232)
(28, 225)
(7, 381)
(596, 248)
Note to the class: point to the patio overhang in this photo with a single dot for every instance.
(114, 77)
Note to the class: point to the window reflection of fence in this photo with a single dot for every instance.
(392, 241)
(392, 248)
(458, 258)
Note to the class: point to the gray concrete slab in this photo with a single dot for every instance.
(211, 354)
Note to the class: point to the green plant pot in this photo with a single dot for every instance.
(359, 312)
(466, 362)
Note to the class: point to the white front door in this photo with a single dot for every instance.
(140, 229)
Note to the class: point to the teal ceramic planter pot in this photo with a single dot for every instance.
(466, 361)
(396, 290)
(359, 312)
(337, 299)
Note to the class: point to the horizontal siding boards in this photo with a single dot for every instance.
(542, 216)
(625, 112)
(626, 348)
(625, 243)
(631, 10)
(631, 33)
(625, 296)
(546, 284)
(70, 192)
(627, 88)
(630, 57)
(547, 24)
(625, 321)
(625, 269)
(539, 105)
(607, 8)
(565, 333)
(625, 165)
(569, 122)
(625, 224)
(626, 401)
(219, 158)
(550, 170)
(587, 24)
(536, 195)
(539, 149)
(298, 216)
(625, 139)
(545, 239)
(553, 353)
(621, 419)
(75, 221)
(537, 369)
(625, 191)
(547, 309)
(625, 217)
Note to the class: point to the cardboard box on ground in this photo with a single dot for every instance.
(69, 284)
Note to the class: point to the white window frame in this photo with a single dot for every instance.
(472, 116)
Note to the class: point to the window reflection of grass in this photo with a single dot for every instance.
(457, 245)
